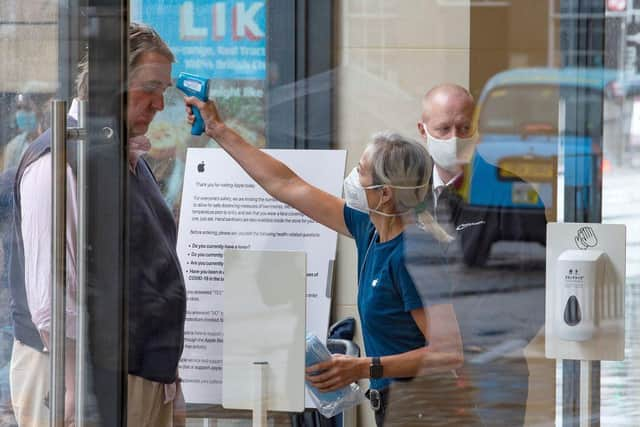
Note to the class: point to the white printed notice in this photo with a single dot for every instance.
(223, 208)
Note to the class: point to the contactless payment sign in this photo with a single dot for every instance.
(224, 39)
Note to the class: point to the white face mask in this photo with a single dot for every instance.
(452, 153)
(354, 193)
(356, 197)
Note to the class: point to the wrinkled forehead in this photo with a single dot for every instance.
(151, 67)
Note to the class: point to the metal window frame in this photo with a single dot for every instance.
(299, 111)
(580, 39)
(107, 230)
(102, 27)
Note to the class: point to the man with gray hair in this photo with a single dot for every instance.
(157, 296)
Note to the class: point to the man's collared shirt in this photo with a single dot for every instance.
(35, 197)
(439, 185)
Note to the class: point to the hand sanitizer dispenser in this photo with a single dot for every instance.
(579, 274)
(585, 291)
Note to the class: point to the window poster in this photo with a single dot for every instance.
(224, 41)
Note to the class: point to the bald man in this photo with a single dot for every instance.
(447, 126)
(492, 386)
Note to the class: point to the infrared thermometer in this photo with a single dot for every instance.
(198, 87)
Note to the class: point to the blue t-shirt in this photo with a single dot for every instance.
(386, 293)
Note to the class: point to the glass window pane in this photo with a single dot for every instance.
(412, 152)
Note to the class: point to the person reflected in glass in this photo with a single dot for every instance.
(29, 121)
(383, 195)
(494, 318)
(447, 128)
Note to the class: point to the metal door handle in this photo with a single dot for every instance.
(59, 136)
(58, 259)
(81, 276)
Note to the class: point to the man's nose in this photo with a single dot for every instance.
(157, 102)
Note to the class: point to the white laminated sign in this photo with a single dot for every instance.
(223, 208)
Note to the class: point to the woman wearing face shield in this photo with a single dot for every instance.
(384, 195)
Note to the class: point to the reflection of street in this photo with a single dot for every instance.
(502, 305)
(505, 302)
(500, 309)
(621, 380)
(512, 285)
(621, 205)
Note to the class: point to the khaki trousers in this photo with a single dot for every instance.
(29, 380)
(146, 404)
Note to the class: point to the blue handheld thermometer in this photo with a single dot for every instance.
(197, 86)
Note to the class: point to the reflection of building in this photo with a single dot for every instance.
(611, 27)
(513, 35)
(567, 20)
(623, 35)
(29, 41)
(555, 33)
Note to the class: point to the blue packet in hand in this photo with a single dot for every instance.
(333, 402)
(318, 352)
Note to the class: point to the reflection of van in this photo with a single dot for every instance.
(510, 182)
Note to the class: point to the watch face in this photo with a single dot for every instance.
(375, 371)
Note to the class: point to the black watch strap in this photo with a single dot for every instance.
(375, 369)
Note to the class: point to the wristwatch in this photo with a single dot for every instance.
(375, 369)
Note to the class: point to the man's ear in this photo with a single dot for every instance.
(421, 129)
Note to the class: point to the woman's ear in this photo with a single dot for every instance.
(387, 195)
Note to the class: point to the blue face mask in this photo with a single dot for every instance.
(26, 120)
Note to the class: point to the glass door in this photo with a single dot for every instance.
(64, 228)
(98, 319)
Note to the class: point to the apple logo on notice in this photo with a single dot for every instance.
(201, 167)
